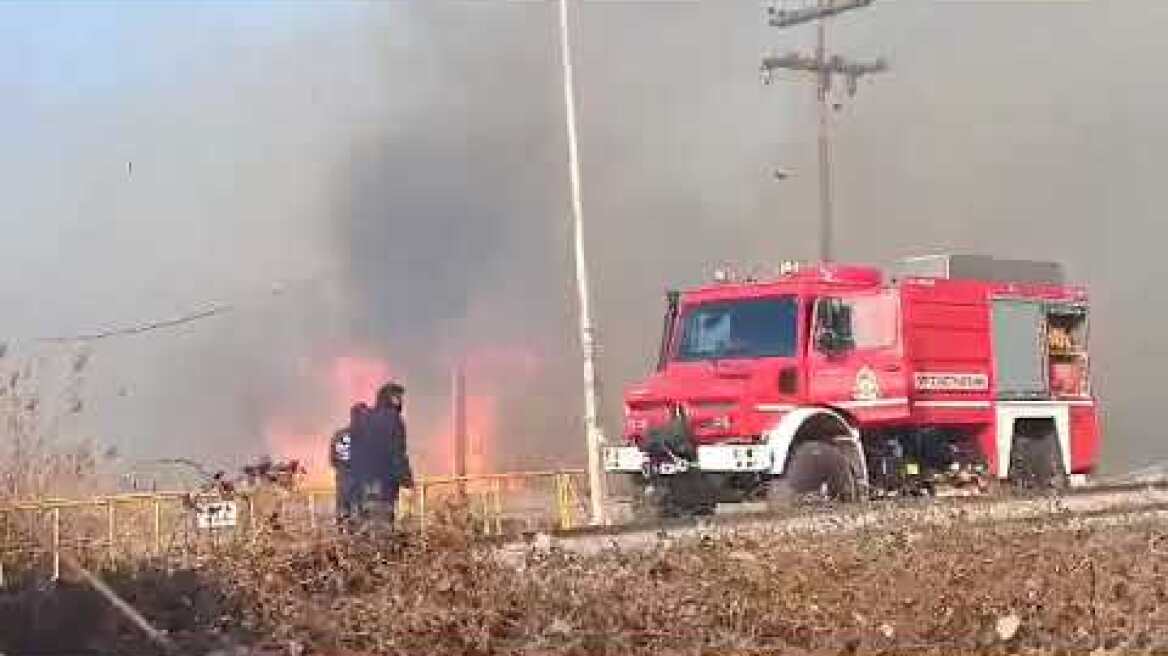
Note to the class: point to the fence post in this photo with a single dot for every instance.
(485, 505)
(56, 544)
(251, 523)
(570, 500)
(422, 505)
(111, 533)
(7, 545)
(498, 493)
(157, 527)
(561, 502)
(571, 497)
(556, 500)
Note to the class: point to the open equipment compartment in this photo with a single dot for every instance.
(1066, 342)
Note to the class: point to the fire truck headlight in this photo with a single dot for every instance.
(635, 425)
(722, 423)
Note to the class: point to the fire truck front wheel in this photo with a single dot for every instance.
(816, 471)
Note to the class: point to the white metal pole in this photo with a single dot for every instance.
(594, 437)
(458, 420)
(458, 425)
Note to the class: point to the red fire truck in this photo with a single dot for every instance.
(948, 372)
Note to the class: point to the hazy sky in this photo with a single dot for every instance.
(399, 167)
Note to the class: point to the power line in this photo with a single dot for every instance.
(781, 17)
(852, 71)
(141, 328)
(193, 316)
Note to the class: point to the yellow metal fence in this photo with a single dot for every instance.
(121, 528)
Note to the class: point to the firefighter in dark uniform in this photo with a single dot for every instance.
(341, 448)
(382, 457)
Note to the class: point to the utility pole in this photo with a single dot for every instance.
(593, 435)
(824, 67)
(458, 422)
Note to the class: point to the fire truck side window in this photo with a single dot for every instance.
(872, 320)
(875, 320)
(739, 329)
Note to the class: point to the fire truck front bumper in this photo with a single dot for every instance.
(624, 459)
(734, 458)
(731, 458)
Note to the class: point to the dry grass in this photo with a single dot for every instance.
(1049, 587)
(39, 392)
(956, 590)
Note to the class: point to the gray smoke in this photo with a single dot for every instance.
(399, 168)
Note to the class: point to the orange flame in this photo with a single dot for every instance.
(350, 379)
(356, 379)
(481, 423)
(310, 449)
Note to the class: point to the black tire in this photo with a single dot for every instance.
(1036, 463)
(686, 494)
(817, 471)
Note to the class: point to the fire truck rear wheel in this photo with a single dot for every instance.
(816, 471)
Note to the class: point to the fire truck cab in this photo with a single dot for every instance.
(842, 381)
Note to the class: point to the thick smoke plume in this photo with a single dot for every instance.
(384, 184)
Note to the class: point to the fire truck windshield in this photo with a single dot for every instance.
(753, 328)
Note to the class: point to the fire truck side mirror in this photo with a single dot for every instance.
(829, 343)
(833, 326)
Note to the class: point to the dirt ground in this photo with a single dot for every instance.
(1055, 586)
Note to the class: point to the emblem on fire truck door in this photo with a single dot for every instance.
(867, 385)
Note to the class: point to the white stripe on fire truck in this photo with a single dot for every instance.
(987, 404)
(774, 407)
(953, 404)
(867, 403)
(1051, 402)
(874, 403)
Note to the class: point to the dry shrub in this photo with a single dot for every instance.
(38, 392)
(968, 589)
(1056, 586)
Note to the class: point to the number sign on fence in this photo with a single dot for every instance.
(216, 514)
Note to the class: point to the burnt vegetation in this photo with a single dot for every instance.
(1056, 586)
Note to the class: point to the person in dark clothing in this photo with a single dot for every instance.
(383, 459)
(341, 447)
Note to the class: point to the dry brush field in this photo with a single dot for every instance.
(1046, 586)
